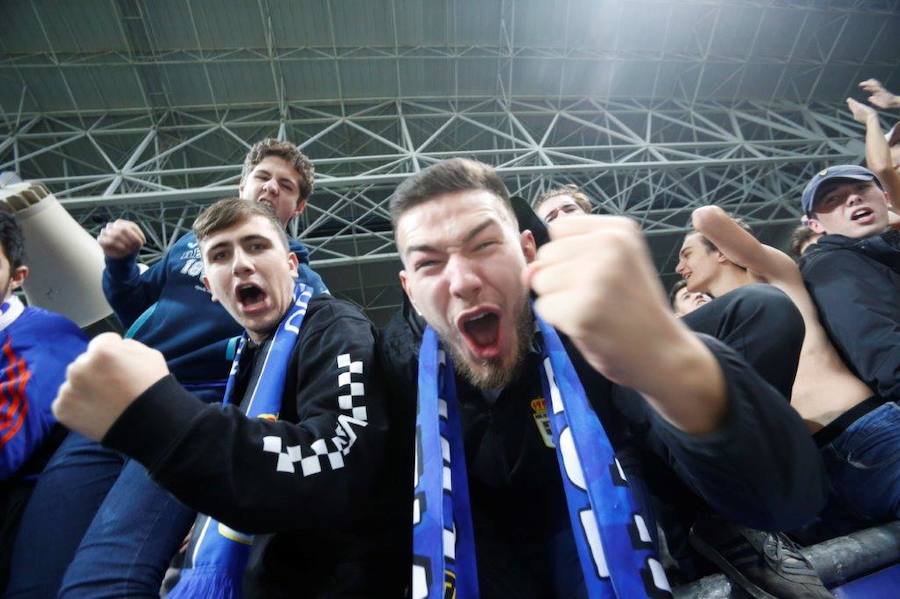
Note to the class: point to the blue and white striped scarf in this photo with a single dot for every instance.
(615, 547)
(219, 554)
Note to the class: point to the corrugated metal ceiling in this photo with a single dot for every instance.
(100, 55)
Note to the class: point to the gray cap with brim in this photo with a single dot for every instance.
(852, 172)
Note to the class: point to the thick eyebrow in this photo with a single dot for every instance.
(253, 237)
(242, 240)
(472, 234)
(213, 248)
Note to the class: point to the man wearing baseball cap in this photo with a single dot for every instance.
(853, 275)
(853, 272)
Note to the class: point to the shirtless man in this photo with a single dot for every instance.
(705, 268)
(830, 398)
(882, 152)
(824, 387)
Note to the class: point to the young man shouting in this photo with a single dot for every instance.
(299, 452)
(107, 500)
(853, 272)
(536, 424)
(853, 276)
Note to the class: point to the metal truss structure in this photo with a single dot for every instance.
(144, 109)
(652, 161)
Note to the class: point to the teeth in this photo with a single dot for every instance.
(479, 317)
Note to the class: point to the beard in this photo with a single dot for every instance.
(495, 373)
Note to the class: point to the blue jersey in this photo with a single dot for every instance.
(169, 309)
(36, 346)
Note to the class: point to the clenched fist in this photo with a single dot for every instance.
(103, 381)
(596, 283)
(121, 238)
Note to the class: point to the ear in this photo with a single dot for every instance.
(529, 245)
(294, 264)
(17, 277)
(212, 295)
(814, 224)
(720, 257)
(301, 206)
(407, 288)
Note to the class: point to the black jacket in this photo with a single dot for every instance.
(855, 284)
(761, 468)
(335, 527)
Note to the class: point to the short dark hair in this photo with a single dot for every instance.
(801, 236)
(12, 241)
(229, 212)
(673, 292)
(447, 176)
(287, 151)
(570, 190)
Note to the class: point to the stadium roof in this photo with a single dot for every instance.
(145, 108)
(133, 55)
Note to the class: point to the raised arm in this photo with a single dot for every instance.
(760, 468)
(249, 473)
(596, 283)
(128, 291)
(741, 247)
(878, 153)
(879, 96)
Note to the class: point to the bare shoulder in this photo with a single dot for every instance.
(785, 275)
(781, 270)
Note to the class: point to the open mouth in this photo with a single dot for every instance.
(481, 330)
(250, 296)
(861, 214)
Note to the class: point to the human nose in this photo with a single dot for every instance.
(464, 280)
(271, 186)
(854, 198)
(242, 263)
(679, 268)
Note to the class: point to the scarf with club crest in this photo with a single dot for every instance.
(614, 544)
(218, 554)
